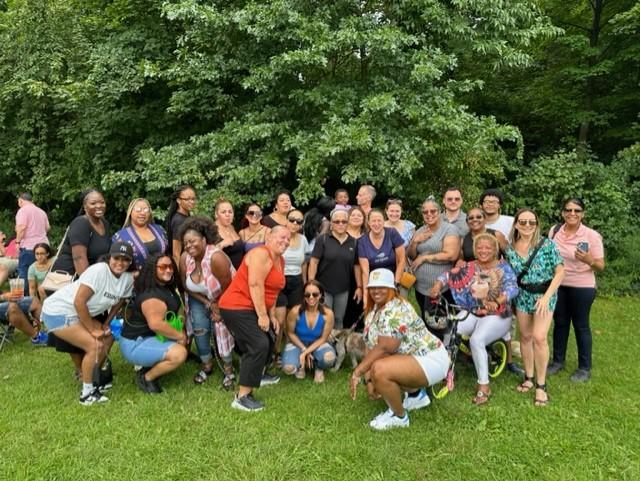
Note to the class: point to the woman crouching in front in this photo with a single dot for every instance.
(147, 338)
(401, 354)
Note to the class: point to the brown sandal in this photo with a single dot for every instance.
(526, 385)
(541, 402)
(481, 398)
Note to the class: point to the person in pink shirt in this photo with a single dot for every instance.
(583, 254)
(32, 225)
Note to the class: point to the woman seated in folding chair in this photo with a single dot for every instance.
(486, 285)
(16, 313)
(71, 312)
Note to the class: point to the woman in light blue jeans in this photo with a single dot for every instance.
(309, 326)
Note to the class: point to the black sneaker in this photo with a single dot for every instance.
(150, 387)
(554, 367)
(269, 379)
(515, 369)
(247, 403)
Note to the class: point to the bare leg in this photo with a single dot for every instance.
(16, 318)
(174, 358)
(390, 373)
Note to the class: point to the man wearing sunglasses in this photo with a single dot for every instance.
(453, 214)
(491, 202)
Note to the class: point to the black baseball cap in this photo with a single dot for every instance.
(121, 248)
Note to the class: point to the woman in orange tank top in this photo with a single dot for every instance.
(248, 310)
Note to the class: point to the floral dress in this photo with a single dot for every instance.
(399, 320)
(541, 270)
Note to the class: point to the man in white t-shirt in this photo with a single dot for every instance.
(491, 203)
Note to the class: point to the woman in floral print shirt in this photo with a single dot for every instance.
(537, 298)
(401, 353)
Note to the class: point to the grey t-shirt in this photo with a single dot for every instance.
(427, 273)
(460, 222)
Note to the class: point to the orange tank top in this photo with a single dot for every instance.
(237, 297)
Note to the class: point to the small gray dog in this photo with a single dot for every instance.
(347, 342)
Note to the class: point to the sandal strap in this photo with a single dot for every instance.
(541, 386)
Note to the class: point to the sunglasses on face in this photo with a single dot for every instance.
(296, 221)
(146, 210)
(430, 211)
(254, 213)
(531, 222)
(340, 221)
(572, 211)
(453, 199)
(309, 295)
(164, 267)
(475, 217)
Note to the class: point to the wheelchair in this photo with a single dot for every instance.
(444, 315)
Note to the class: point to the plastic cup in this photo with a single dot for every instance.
(17, 287)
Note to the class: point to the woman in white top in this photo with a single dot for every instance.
(71, 312)
(295, 271)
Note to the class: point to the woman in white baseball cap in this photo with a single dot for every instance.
(401, 353)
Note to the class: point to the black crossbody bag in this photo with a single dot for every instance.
(533, 288)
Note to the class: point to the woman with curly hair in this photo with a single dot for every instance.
(206, 272)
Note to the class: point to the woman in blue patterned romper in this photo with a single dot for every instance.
(537, 298)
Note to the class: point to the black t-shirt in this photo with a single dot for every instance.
(82, 233)
(176, 222)
(269, 221)
(335, 262)
(467, 246)
(136, 325)
(235, 252)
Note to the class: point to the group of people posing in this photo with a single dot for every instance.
(274, 290)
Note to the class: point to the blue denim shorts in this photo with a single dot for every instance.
(24, 304)
(144, 351)
(291, 356)
(58, 321)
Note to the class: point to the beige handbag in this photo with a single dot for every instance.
(56, 280)
(407, 279)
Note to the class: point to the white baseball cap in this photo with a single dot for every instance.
(382, 278)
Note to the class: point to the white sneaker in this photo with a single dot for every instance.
(411, 403)
(389, 421)
(380, 416)
(94, 396)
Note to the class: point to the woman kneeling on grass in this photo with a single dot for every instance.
(401, 354)
(71, 312)
(147, 339)
(309, 326)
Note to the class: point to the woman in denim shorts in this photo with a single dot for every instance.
(147, 338)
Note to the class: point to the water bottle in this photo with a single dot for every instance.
(116, 327)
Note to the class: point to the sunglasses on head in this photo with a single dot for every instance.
(531, 222)
(572, 211)
(294, 220)
(309, 295)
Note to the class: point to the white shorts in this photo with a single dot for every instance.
(435, 365)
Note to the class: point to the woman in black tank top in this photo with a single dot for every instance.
(476, 223)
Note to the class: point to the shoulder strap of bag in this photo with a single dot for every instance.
(525, 269)
(556, 229)
(59, 248)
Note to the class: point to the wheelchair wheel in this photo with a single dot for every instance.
(497, 358)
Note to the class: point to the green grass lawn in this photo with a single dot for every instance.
(315, 432)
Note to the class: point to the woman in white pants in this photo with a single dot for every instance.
(487, 286)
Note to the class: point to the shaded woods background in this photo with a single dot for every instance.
(239, 98)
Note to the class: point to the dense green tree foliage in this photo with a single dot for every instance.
(239, 98)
